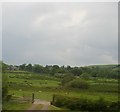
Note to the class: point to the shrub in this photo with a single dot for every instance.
(100, 105)
(8, 97)
(78, 83)
(84, 104)
(67, 78)
(85, 76)
(4, 91)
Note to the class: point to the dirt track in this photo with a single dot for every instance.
(45, 104)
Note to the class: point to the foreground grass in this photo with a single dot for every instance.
(47, 95)
(16, 106)
(51, 107)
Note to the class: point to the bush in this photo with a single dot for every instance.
(4, 86)
(85, 76)
(8, 97)
(78, 83)
(84, 104)
(4, 92)
(67, 78)
(114, 106)
(100, 105)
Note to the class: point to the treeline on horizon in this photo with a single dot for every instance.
(104, 71)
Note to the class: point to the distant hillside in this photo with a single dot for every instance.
(111, 66)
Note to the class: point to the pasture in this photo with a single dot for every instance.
(44, 87)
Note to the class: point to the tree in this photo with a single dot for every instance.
(67, 78)
(68, 68)
(62, 69)
(54, 69)
(22, 67)
(4, 67)
(47, 69)
(38, 68)
(76, 71)
(85, 76)
(29, 67)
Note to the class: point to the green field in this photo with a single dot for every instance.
(44, 86)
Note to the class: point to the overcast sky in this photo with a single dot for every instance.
(60, 33)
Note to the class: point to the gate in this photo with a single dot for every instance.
(28, 97)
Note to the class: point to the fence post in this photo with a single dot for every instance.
(53, 98)
(32, 97)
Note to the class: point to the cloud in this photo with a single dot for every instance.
(60, 33)
(108, 58)
(76, 19)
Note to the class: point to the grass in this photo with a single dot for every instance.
(51, 107)
(44, 87)
(16, 106)
(47, 95)
(94, 95)
(111, 88)
(38, 95)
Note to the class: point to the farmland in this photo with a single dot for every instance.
(21, 84)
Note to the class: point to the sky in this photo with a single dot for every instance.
(74, 34)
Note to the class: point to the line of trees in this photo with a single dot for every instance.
(86, 72)
(51, 69)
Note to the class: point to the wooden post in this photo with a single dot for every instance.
(53, 98)
(32, 97)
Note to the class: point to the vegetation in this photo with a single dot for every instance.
(15, 106)
(85, 104)
(103, 71)
(4, 87)
(78, 83)
(51, 107)
(87, 88)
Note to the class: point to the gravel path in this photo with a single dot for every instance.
(45, 104)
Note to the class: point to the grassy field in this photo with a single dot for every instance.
(44, 86)
(16, 106)
(54, 108)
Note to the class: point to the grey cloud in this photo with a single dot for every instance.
(60, 33)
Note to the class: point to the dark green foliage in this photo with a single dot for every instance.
(38, 68)
(69, 68)
(85, 76)
(4, 86)
(55, 69)
(8, 97)
(67, 78)
(114, 106)
(4, 67)
(76, 71)
(84, 104)
(28, 67)
(22, 67)
(100, 104)
(47, 69)
(103, 71)
(78, 83)
(4, 91)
